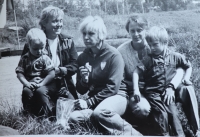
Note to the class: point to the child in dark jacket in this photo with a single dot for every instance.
(159, 69)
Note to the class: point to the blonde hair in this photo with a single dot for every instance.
(141, 21)
(157, 33)
(49, 12)
(35, 35)
(95, 24)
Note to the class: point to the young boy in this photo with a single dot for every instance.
(35, 70)
(159, 69)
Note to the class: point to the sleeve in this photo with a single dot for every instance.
(73, 55)
(183, 62)
(21, 66)
(81, 87)
(115, 78)
(48, 64)
(25, 49)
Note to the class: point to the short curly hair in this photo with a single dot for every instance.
(35, 34)
(49, 12)
(141, 21)
(157, 33)
(96, 24)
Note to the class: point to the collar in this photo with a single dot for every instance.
(102, 49)
(165, 53)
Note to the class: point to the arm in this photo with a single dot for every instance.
(49, 71)
(177, 78)
(72, 55)
(186, 78)
(136, 91)
(23, 80)
(47, 79)
(81, 85)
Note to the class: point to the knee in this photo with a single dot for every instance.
(40, 91)
(102, 114)
(27, 93)
(140, 109)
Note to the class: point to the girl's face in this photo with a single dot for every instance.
(156, 47)
(54, 26)
(136, 32)
(90, 38)
(36, 48)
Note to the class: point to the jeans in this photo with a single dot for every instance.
(163, 115)
(38, 101)
(107, 115)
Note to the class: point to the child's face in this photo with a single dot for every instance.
(54, 26)
(136, 32)
(36, 48)
(156, 47)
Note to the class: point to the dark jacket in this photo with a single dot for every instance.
(105, 78)
(68, 55)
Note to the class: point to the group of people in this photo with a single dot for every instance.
(136, 84)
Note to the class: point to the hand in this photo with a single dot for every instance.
(186, 82)
(31, 85)
(137, 96)
(169, 96)
(61, 70)
(140, 109)
(84, 72)
(38, 85)
(57, 71)
(80, 104)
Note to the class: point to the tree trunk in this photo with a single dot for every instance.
(117, 8)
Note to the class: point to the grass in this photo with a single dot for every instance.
(32, 125)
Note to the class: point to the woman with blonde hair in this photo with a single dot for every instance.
(101, 75)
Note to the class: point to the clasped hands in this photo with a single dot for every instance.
(34, 83)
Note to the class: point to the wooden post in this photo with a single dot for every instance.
(17, 30)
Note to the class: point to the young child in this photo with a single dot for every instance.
(159, 69)
(35, 71)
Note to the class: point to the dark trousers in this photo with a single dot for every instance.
(41, 100)
(163, 115)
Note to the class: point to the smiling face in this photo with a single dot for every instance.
(136, 32)
(36, 48)
(53, 27)
(156, 47)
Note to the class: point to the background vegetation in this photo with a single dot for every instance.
(180, 18)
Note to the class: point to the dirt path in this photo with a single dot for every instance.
(10, 87)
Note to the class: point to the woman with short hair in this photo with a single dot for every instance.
(61, 50)
(134, 51)
(100, 74)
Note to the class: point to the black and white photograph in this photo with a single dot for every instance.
(100, 67)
